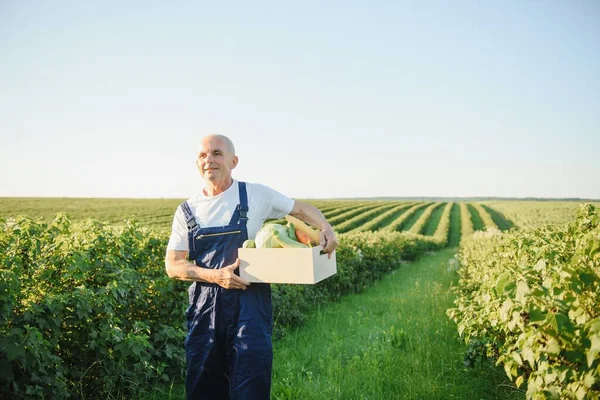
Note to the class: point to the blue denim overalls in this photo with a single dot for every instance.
(228, 346)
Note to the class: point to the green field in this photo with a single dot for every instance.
(532, 214)
(153, 213)
(345, 215)
(387, 337)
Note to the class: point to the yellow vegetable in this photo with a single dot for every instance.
(301, 225)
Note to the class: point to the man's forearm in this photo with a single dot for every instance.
(311, 214)
(186, 271)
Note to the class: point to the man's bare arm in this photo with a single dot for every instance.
(178, 267)
(311, 214)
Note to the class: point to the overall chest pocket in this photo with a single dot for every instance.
(218, 249)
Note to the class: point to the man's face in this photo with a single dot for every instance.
(215, 160)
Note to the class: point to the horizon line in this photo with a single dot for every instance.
(473, 198)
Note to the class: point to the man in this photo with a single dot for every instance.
(228, 346)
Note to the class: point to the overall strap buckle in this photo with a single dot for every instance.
(189, 217)
(243, 212)
(192, 228)
(243, 206)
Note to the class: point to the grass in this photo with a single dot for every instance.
(433, 220)
(393, 341)
(394, 216)
(171, 392)
(476, 218)
(501, 222)
(412, 218)
(361, 219)
(454, 234)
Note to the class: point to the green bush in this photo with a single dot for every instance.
(86, 310)
(531, 300)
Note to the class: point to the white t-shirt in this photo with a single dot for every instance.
(263, 203)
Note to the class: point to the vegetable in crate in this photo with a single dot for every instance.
(304, 233)
(291, 231)
(285, 241)
(249, 244)
(275, 236)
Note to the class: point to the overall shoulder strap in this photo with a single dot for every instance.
(243, 206)
(189, 217)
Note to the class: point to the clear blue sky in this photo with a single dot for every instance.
(322, 99)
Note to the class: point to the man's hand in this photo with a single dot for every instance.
(328, 240)
(226, 277)
(311, 214)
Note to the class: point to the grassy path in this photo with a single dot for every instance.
(393, 341)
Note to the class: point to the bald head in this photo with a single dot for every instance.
(216, 159)
(228, 143)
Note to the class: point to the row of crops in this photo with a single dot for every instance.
(530, 301)
(419, 218)
(344, 215)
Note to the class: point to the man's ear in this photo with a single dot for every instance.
(234, 162)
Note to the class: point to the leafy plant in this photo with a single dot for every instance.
(85, 308)
(531, 300)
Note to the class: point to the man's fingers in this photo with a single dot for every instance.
(235, 282)
(241, 280)
(245, 282)
(229, 280)
(330, 246)
(236, 285)
(329, 251)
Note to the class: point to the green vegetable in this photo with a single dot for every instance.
(285, 241)
(275, 236)
(265, 238)
(249, 244)
(291, 231)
